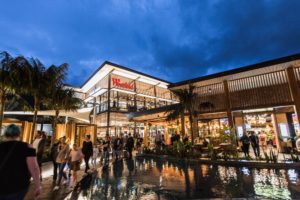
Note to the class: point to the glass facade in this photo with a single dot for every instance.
(116, 96)
(212, 127)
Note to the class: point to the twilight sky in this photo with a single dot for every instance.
(171, 39)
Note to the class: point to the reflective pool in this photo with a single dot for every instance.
(156, 179)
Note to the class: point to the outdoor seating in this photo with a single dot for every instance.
(228, 149)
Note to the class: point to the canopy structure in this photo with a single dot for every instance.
(82, 114)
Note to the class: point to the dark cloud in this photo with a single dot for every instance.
(170, 39)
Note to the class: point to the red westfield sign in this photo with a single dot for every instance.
(123, 85)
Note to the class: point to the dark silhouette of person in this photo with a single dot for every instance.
(53, 156)
(87, 150)
(255, 143)
(245, 144)
(130, 145)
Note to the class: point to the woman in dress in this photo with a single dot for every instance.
(76, 158)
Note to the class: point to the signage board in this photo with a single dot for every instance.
(119, 83)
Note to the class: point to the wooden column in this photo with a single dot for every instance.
(228, 104)
(294, 89)
(166, 134)
(146, 130)
(195, 127)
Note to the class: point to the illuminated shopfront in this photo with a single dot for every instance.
(116, 91)
(212, 127)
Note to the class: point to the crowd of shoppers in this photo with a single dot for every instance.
(20, 161)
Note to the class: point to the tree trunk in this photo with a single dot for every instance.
(2, 104)
(36, 106)
(182, 121)
(191, 126)
(54, 127)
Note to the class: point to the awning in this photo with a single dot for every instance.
(82, 114)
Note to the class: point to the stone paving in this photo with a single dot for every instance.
(48, 185)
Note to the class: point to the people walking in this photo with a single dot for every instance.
(117, 145)
(95, 156)
(130, 145)
(39, 145)
(263, 140)
(245, 144)
(105, 150)
(17, 165)
(139, 142)
(61, 160)
(75, 158)
(255, 143)
(53, 156)
(158, 139)
(87, 150)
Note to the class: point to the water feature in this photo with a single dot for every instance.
(155, 179)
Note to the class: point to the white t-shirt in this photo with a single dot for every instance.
(35, 143)
(95, 152)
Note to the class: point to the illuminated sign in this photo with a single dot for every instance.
(123, 85)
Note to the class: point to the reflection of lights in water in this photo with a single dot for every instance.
(227, 173)
(148, 182)
(160, 180)
(246, 171)
(204, 169)
(292, 174)
(268, 184)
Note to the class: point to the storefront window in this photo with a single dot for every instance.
(212, 127)
(161, 103)
(140, 103)
(120, 101)
(296, 124)
(150, 103)
(261, 124)
(103, 102)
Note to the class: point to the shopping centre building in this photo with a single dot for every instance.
(117, 92)
(263, 97)
(260, 97)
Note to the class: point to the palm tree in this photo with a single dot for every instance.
(7, 83)
(38, 81)
(178, 111)
(35, 86)
(62, 98)
(187, 103)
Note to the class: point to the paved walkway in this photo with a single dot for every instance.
(48, 185)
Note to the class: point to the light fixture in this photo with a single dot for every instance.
(144, 95)
(124, 91)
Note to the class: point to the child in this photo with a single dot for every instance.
(95, 156)
(76, 157)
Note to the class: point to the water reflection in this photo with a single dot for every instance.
(153, 179)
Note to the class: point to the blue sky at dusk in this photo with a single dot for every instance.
(170, 39)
